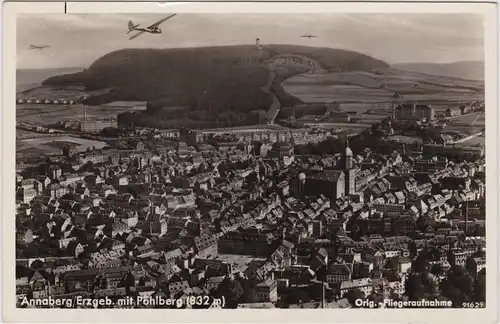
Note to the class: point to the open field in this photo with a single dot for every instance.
(378, 86)
(472, 70)
(475, 141)
(24, 132)
(55, 92)
(54, 145)
(468, 130)
(67, 139)
(28, 149)
(42, 114)
(476, 119)
(469, 124)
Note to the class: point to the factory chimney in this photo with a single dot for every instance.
(84, 110)
(394, 98)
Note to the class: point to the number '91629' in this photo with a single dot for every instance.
(473, 305)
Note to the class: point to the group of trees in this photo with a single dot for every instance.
(189, 119)
(353, 295)
(112, 132)
(318, 109)
(458, 285)
(291, 124)
(381, 129)
(428, 134)
(241, 102)
(328, 146)
(357, 144)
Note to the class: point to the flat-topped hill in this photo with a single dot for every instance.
(203, 84)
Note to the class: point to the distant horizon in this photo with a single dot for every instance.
(403, 63)
(127, 48)
(400, 38)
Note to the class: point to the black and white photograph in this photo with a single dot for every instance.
(250, 161)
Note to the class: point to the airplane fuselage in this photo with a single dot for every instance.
(149, 30)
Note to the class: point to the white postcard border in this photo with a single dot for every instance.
(11, 314)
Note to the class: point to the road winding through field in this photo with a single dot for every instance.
(275, 107)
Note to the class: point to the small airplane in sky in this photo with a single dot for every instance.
(153, 29)
(38, 47)
(308, 36)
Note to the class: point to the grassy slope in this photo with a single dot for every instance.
(472, 70)
(212, 83)
(379, 85)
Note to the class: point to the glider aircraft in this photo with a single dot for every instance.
(38, 47)
(153, 29)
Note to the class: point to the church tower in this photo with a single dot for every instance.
(349, 170)
(348, 155)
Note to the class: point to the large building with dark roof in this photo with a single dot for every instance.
(330, 183)
(414, 112)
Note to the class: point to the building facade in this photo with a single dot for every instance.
(97, 125)
(414, 112)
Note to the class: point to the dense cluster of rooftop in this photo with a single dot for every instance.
(250, 221)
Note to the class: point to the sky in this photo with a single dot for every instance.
(78, 40)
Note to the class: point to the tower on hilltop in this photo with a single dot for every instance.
(258, 45)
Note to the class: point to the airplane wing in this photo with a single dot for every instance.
(136, 35)
(158, 23)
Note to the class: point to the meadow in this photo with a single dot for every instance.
(478, 140)
(42, 114)
(370, 90)
(468, 124)
(54, 145)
